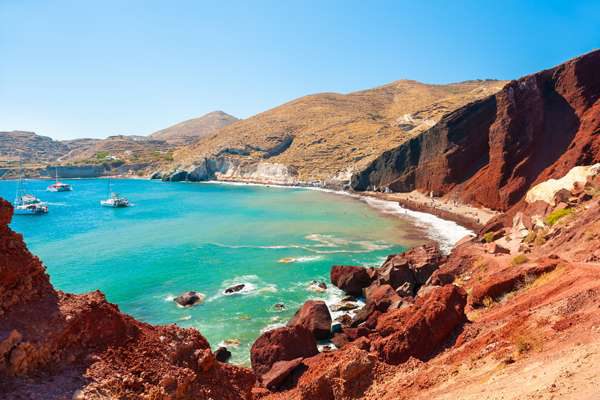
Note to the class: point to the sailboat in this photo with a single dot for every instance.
(114, 200)
(59, 186)
(27, 204)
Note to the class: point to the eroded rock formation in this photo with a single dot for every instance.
(491, 151)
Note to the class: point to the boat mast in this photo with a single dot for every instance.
(19, 193)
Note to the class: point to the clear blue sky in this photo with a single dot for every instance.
(97, 68)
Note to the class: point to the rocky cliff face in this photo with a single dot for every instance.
(55, 345)
(491, 151)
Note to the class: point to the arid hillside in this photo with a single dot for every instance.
(190, 131)
(29, 147)
(324, 137)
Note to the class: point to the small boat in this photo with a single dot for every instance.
(59, 186)
(114, 199)
(27, 204)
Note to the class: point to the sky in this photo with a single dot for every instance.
(73, 69)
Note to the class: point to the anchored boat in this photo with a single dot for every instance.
(27, 204)
(114, 200)
(59, 186)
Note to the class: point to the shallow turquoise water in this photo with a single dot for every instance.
(203, 237)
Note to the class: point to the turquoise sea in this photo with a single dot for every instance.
(203, 237)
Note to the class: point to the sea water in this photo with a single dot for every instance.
(204, 237)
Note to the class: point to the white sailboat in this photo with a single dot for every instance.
(59, 186)
(27, 204)
(114, 200)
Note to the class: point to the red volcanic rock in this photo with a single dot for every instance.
(314, 316)
(281, 344)
(396, 272)
(381, 297)
(279, 372)
(417, 330)
(495, 248)
(343, 374)
(351, 279)
(6, 212)
(490, 152)
(508, 280)
(83, 343)
(410, 269)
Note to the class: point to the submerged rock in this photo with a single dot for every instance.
(189, 299)
(279, 307)
(317, 286)
(235, 289)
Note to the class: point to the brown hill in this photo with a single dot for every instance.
(190, 131)
(490, 152)
(327, 136)
(29, 147)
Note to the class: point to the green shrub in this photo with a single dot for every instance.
(488, 237)
(520, 259)
(556, 215)
(101, 155)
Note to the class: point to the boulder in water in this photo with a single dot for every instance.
(235, 288)
(189, 299)
(351, 279)
(222, 354)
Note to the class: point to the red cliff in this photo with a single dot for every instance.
(491, 151)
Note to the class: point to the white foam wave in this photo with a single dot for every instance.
(303, 259)
(253, 285)
(445, 232)
(270, 327)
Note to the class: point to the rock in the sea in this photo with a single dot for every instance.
(189, 299)
(279, 307)
(222, 354)
(281, 344)
(314, 316)
(317, 286)
(351, 279)
(279, 372)
(235, 288)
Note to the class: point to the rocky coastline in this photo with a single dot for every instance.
(423, 310)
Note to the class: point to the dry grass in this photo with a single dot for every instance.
(519, 259)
